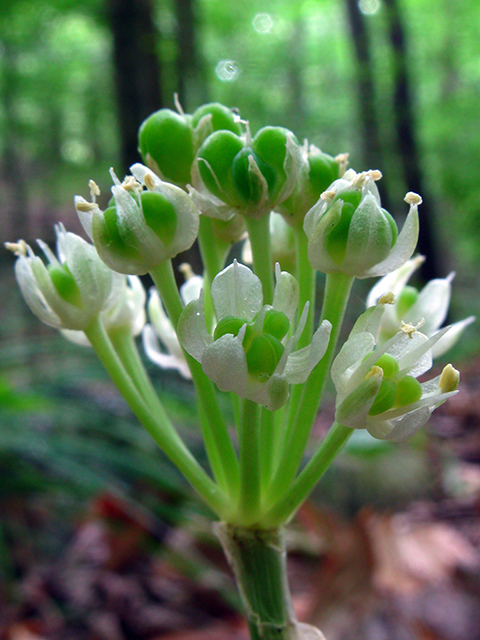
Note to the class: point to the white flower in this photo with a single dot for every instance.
(376, 385)
(70, 290)
(127, 310)
(251, 351)
(143, 227)
(161, 329)
(411, 306)
(349, 232)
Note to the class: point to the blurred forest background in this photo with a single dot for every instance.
(83, 492)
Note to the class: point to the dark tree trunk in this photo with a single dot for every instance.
(190, 77)
(137, 69)
(404, 121)
(13, 169)
(368, 111)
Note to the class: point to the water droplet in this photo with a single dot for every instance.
(369, 7)
(262, 23)
(227, 70)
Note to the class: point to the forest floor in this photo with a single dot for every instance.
(384, 573)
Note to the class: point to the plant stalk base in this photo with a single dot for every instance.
(259, 561)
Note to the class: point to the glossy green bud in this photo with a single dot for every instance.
(388, 364)
(222, 118)
(160, 215)
(65, 284)
(276, 324)
(229, 324)
(166, 137)
(406, 299)
(409, 390)
(263, 356)
(385, 397)
(316, 173)
(270, 146)
(323, 171)
(249, 183)
(215, 160)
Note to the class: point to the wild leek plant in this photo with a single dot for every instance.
(250, 332)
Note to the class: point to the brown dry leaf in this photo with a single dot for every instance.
(409, 555)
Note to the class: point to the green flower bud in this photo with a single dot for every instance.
(270, 146)
(276, 324)
(65, 284)
(409, 390)
(385, 397)
(388, 364)
(143, 227)
(263, 356)
(406, 299)
(215, 160)
(349, 232)
(220, 117)
(250, 178)
(167, 145)
(316, 172)
(229, 324)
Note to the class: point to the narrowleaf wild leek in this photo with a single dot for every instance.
(250, 331)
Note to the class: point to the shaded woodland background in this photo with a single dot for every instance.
(98, 534)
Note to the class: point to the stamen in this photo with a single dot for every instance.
(149, 181)
(328, 196)
(410, 329)
(186, 270)
(413, 198)
(387, 298)
(449, 379)
(94, 189)
(374, 371)
(177, 104)
(130, 184)
(342, 160)
(87, 207)
(18, 248)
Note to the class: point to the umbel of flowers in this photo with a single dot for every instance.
(250, 333)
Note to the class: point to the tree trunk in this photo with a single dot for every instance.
(404, 121)
(137, 70)
(369, 117)
(190, 75)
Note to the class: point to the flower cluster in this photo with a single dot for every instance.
(252, 350)
(376, 384)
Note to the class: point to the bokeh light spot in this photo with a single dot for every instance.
(369, 7)
(262, 23)
(227, 70)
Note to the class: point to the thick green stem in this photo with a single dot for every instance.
(219, 447)
(259, 561)
(259, 235)
(158, 424)
(249, 444)
(300, 489)
(337, 291)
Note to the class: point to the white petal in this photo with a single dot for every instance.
(450, 338)
(300, 363)
(409, 424)
(163, 360)
(394, 282)
(348, 359)
(369, 321)
(77, 337)
(286, 294)
(32, 293)
(225, 363)
(431, 305)
(353, 410)
(192, 331)
(403, 249)
(237, 291)
(190, 289)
